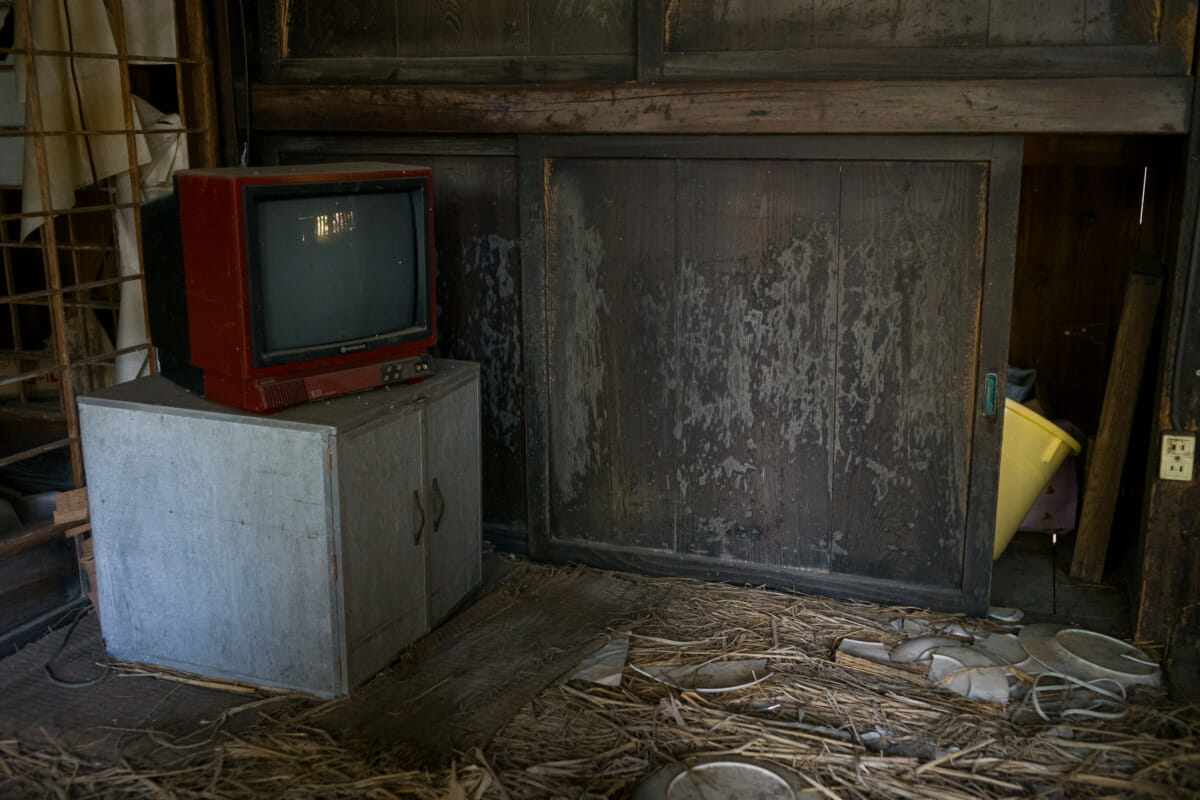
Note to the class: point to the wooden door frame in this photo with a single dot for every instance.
(1003, 157)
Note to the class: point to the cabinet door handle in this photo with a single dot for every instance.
(441, 505)
(421, 525)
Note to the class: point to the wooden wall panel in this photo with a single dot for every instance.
(336, 29)
(614, 41)
(1121, 21)
(1079, 229)
(609, 317)
(700, 25)
(583, 26)
(479, 310)
(462, 27)
(763, 25)
(761, 357)
(1036, 22)
(911, 261)
(755, 326)
(885, 23)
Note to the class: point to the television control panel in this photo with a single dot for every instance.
(277, 394)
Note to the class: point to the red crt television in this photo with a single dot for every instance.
(272, 286)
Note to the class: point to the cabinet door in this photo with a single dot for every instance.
(384, 531)
(453, 504)
(760, 358)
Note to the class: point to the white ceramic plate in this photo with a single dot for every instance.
(723, 778)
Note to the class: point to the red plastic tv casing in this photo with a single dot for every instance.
(216, 265)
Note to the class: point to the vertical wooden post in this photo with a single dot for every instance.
(58, 319)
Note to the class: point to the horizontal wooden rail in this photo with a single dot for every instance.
(35, 51)
(33, 537)
(57, 444)
(26, 297)
(1049, 105)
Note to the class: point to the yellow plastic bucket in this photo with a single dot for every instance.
(1032, 450)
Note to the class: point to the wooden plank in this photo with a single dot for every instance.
(918, 63)
(331, 29)
(651, 35)
(1097, 105)
(756, 310)
(459, 28)
(1004, 190)
(198, 81)
(466, 680)
(534, 198)
(71, 506)
(610, 265)
(885, 23)
(584, 26)
(1036, 22)
(32, 537)
(453, 69)
(812, 581)
(697, 25)
(1107, 460)
(1121, 21)
(910, 288)
(1177, 32)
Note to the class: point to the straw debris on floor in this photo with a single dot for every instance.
(850, 730)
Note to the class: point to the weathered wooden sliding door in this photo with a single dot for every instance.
(765, 359)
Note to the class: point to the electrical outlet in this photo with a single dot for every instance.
(1178, 456)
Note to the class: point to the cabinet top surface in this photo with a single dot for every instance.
(156, 393)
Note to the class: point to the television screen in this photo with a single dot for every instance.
(319, 255)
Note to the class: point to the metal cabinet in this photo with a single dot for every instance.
(304, 549)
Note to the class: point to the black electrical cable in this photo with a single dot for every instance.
(48, 666)
(246, 79)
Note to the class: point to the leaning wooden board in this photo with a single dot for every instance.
(1107, 461)
(762, 359)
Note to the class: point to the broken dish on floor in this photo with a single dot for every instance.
(716, 676)
(605, 665)
(723, 778)
(970, 672)
(1006, 647)
(917, 650)
(874, 651)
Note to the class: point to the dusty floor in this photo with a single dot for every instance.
(1032, 574)
(477, 709)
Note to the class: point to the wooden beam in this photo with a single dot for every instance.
(32, 537)
(1116, 419)
(1060, 105)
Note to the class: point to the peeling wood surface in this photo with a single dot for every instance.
(694, 25)
(766, 361)
(1066, 105)
(911, 261)
(756, 311)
